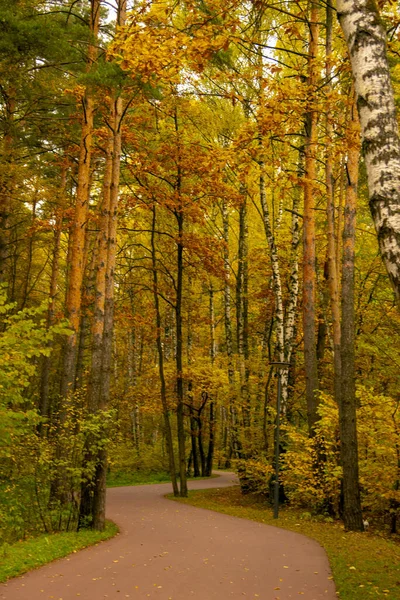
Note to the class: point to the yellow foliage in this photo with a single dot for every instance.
(311, 470)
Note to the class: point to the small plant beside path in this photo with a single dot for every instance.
(364, 565)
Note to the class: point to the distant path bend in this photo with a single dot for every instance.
(171, 551)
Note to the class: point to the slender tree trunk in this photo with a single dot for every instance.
(29, 256)
(163, 391)
(194, 433)
(46, 361)
(211, 418)
(201, 445)
(234, 443)
(291, 310)
(309, 278)
(339, 224)
(6, 183)
(179, 363)
(210, 451)
(276, 275)
(365, 35)
(178, 315)
(332, 258)
(352, 514)
(242, 312)
(88, 291)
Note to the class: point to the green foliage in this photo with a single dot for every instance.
(16, 559)
(41, 480)
(28, 461)
(24, 337)
(124, 458)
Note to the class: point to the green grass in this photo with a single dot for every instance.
(16, 559)
(364, 565)
(125, 478)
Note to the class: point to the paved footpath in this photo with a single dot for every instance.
(171, 551)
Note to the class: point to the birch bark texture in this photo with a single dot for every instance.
(366, 40)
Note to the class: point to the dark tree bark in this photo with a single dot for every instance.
(7, 182)
(352, 514)
(332, 258)
(232, 429)
(160, 351)
(46, 361)
(309, 278)
(211, 417)
(178, 315)
(242, 311)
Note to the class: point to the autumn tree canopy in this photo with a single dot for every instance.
(184, 230)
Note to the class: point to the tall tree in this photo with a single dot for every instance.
(347, 405)
(309, 258)
(365, 35)
(78, 231)
(160, 351)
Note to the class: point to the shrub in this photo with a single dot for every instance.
(254, 476)
(311, 472)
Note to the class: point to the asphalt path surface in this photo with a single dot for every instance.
(171, 551)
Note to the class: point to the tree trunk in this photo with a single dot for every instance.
(46, 361)
(194, 433)
(78, 230)
(163, 391)
(242, 312)
(232, 429)
(309, 278)
(352, 514)
(86, 509)
(332, 258)
(178, 314)
(210, 451)
(365, 35)
(211, 418)
(7, 183)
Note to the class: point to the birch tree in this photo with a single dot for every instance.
(366, 40)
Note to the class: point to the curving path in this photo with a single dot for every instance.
(171, 551)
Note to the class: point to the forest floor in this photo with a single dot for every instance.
(178, 552)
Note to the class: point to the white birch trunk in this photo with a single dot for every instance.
(276, 276)
(366, 40)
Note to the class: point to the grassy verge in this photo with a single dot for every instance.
(18, 558)
(123, 478)
(364, 565)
